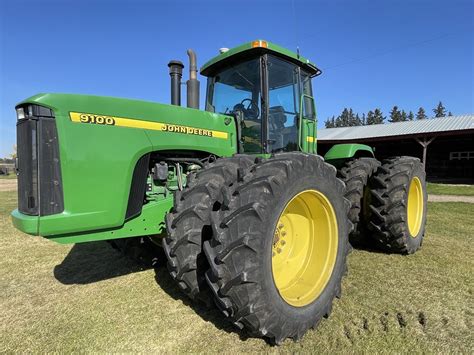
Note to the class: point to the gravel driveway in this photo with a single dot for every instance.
(7, 184)
(450, 198)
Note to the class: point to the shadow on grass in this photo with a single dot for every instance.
(368, 248)
(208, 313)
(92, 262)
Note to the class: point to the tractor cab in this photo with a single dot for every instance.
(268, 90)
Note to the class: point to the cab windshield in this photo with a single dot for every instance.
(237, 88)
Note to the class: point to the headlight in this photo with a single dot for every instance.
(20, 113)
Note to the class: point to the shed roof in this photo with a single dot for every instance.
(407, 128)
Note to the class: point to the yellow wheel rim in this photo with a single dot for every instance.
(305, 246)
(415, 207)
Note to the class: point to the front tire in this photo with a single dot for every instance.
(279, 247)
(188, 224)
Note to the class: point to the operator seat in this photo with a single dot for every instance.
(276, 124)
(277, 118)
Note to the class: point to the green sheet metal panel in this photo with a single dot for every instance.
(97, 159)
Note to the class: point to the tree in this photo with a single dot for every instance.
(395, 115)
(370, 118)
(421, 115)
(357, 120)
(404, 116)
(363, 120)
(346, 118)
(330, 122)
(351, 119)
(450, 114)
(440, 110)
(411, 116)
(378, 116)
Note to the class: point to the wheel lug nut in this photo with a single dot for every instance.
(280, 225)
(282, 242)
(279, 250)
(283, 233)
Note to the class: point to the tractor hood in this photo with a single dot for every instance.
(165, 125)
(88, 148)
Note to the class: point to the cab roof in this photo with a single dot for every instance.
(256, 47)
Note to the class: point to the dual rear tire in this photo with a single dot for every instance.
(397, 207)
(356, 173)
(388, 202)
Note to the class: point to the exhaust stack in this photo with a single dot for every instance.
(176, 73)
(192, 92)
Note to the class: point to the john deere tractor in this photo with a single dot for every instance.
(248, 215)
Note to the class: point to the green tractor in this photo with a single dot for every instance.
(248, 215)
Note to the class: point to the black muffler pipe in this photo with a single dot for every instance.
(192, 90)
(176, 73)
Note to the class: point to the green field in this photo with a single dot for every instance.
(446, 189)
(10, 176)
(87, 298)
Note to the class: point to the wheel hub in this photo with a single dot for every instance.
(279, 241)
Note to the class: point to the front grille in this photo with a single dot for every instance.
(39, 174)
(27, 167)
(51, 189)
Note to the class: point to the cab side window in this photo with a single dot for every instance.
(308, 101)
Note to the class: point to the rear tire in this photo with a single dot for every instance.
(244, 270)
(397, 214)
(189, 224)
(356, 173)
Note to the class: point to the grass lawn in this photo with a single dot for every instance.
(85, 297)
(444, 189)
(11, 176)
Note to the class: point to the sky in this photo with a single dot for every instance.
(409, 53)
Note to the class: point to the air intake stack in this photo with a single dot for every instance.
(176, 73)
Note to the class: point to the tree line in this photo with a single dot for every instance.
(348, 118)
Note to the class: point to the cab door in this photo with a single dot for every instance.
(291, 124)
(282, 83)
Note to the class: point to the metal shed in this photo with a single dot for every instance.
(445, 145)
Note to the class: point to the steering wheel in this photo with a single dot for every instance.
(252, 110)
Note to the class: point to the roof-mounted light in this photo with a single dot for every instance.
(20, 113)
(259, 44)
